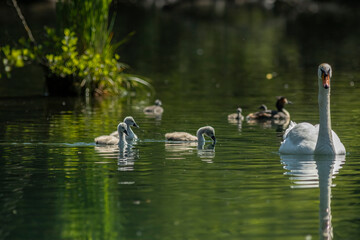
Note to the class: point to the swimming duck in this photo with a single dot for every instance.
(265, 114)
(184, 136)
(154, 109)
(111, 140)
(305, 138)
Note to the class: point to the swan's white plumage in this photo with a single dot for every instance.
(302, 139)
(305, 138)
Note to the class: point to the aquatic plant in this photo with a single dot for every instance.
(78, 58)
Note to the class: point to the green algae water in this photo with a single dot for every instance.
(57, 184)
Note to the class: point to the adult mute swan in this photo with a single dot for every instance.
(111, 140)
(305, 138)
(184, 136)
(236, 116)
(130, 134)
(154, 109)
(265, 114)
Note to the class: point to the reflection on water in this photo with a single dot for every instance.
(179, 150)
(305, 170)
(154, 115)
(279, 124)
(201, 69)
(236, 122)
(206, 152)
(311, 171)
(126, 155)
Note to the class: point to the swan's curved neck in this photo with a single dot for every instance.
(239, 115)
(130, 131)
(200, 136)
(324, 143)
(121, 138)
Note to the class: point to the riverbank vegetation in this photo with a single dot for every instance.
(79, 56)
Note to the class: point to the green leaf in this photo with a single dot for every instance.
(66, 32)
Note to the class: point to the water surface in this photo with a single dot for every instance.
(57, 184)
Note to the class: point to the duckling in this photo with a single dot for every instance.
(111, 140)
(236, 116)
(265, 114)
(154, 109)
(131, 135)
(263, 107)
(184, 136)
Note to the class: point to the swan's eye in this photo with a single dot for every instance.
(324, 73)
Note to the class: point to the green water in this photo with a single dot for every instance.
(57, 184)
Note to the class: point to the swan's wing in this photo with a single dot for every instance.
(149, 109)
(299, 139)
(180, 136)
(108, 140)
(115, 134)
(339, 147)
(291, 126)
(232, 116)
(158, 110)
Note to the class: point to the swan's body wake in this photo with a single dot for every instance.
(305, 138)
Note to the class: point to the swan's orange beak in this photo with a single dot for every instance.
(325, 80)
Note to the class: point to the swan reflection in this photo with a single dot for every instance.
(157, 117)
(312, 171)
(236, 122)
(206, 152)
(178, 150)
(126, 155)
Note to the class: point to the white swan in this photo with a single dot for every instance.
(154, 109)
(236, 116)
(111, 140)
(305, 138)
(184, 136)
(131, 135)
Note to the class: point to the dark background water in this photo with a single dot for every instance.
(204, 63)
